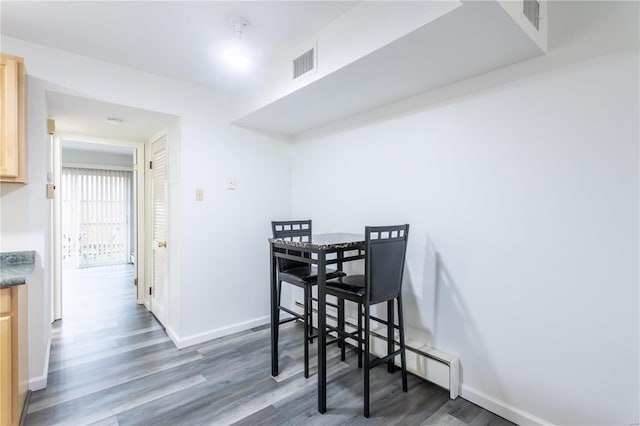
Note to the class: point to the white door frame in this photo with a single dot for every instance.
(140, 217)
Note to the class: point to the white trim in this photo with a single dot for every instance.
(55, 230)
(214, 334)
(501, 408)
(140, 228)
(40, 382)
(97, 166)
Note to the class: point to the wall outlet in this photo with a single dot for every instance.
(231, 183)
(199, 194)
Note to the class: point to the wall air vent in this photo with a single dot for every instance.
(304, 63)
(532, 12)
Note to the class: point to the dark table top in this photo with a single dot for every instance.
(336, 240)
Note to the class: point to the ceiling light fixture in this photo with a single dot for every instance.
(236, 56)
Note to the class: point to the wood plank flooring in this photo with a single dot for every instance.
(113, 364)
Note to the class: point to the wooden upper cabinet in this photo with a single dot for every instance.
(13, 160)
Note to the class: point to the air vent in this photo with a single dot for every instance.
(304, 63)
(532, 12)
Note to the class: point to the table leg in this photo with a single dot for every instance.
(341, 317)
(322, 335)
(390, 335)
(274, 313)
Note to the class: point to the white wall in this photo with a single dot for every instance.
(80, 156)
(210, 242)
(24, 213)
(525, 181)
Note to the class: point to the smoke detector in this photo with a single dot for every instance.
(239, 24)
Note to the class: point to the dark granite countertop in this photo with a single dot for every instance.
(15, 267)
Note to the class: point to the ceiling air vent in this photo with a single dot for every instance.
(304, 63)
(532, 12)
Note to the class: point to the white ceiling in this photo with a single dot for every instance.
(448, 49)
(177, 39)
(81, 116)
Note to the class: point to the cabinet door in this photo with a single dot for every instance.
(5, 371)
(9, 111)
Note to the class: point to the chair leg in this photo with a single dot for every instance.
(403, 356)
(390, 335)
(366, 360)
(310, 301)
(306, 332)
(341, 329)
(359, 335)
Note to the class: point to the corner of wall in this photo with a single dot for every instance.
(40, 382)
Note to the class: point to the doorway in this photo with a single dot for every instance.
(99, 211)
(110, 129)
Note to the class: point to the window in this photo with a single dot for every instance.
(96, 217)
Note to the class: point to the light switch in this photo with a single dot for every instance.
(199, 194)
(50, 191)
(231, 183)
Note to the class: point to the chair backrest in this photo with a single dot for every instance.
(384, 262)
(291, 230)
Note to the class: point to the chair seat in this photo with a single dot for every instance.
(352, 284)
(307, 275)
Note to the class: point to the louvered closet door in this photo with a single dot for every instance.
(159, 228)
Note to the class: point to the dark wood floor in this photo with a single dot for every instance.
(112, 363)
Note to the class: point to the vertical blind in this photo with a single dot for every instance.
(96, 217)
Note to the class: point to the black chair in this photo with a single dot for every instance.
(301, 275)
(382, 282)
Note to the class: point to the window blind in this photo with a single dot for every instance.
(96, 217)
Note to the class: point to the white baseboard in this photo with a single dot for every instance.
(172, 335)
(183, 342)
(40, 382)
(501, 408)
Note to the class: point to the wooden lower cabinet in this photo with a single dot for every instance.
(5, 370)
(13, 354)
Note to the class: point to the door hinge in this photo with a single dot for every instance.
(135, 282)
(150, 165)
(135, 167)
(150, 291)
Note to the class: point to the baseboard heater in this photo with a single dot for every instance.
(422, 360)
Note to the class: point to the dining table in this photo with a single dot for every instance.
(320, 250)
